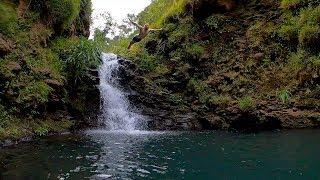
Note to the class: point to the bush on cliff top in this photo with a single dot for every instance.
(78, 56)
(160, 10)
(64, 12)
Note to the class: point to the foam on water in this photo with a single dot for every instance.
(117, 113)
(125, 132)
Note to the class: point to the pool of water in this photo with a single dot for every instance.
(166, 155)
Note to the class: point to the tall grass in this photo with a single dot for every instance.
(160, 10)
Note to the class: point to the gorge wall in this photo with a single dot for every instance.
(45, 59)
(224, 64)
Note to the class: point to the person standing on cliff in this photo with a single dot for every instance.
(143, 32)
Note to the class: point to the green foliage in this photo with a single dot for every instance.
(289, 4)
(142, 58)
(34, 93)
(176, 99)
(212, 22)
(194, 50)
(8, 18)
(147, 62)
(304, 27)
(284, 95)
(180, 34)
(45, 62)
(79, 56)
(197, 86)
(220, 100)
(301, 60)
(42, 129)
(159, 11)
(161, 69)
(309, 34)
(4, 117)
(64, 12)
(246, 103)
(33, 61)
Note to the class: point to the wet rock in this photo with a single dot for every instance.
(8, 143)
(258, 56)
(94, 72)
(53, 83)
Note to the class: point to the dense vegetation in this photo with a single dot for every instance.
(249, 59)
(45, 62)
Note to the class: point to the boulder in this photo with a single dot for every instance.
(258, 56)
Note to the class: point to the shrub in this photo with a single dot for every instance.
(176, 99)
(297, 61)
(197, 86)
(147, 62)
(220, 100)
(246, 103)
(78, 55)
(304, 26)
(289, 4)
(161, 69)
(179, 35)
(64, 12)
(194, 51)
(284, 95)
(35, 93)
(46, 61)
(289, 30)
(8, 18)
(309, 35)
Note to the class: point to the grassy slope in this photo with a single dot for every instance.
(245, 55)
(37, 81)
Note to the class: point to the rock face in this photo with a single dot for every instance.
(164, 115)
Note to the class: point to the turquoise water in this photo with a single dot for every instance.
(166, 155)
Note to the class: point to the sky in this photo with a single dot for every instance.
(117, 8)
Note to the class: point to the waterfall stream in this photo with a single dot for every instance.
(117, 113)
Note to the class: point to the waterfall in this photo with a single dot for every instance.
(117, 113)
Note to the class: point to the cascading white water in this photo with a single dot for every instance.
(117, 113)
